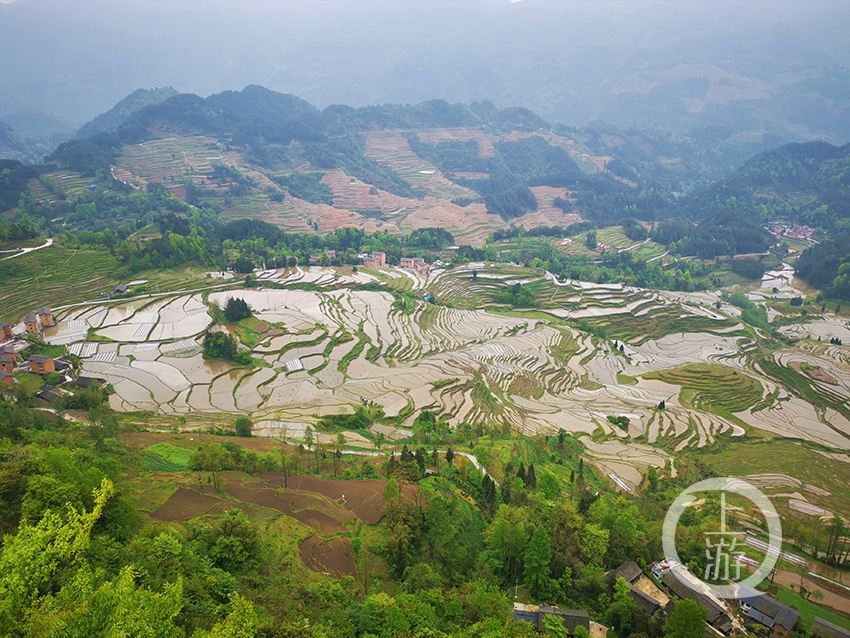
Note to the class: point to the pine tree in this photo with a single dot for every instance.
(450, 455)
(531, 478)
(538, 555)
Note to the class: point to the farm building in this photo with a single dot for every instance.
(718, 617)
(415, 263)
(6, 333)
(375, 260)
(824, 629)
(31, 324)
(767, 611)
(6, 378)
(643, 591)
(41, 364)
(121, 289)
(534, 614)
(45, 316)
(8, 361)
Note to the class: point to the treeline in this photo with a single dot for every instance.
(246, 243)
(722, 234)
(826, 265)
(807, 183)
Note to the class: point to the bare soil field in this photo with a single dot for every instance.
(184, 504)
(364, 498)
(319, 513)
(334, 557)
(351, 193)
(485, 140)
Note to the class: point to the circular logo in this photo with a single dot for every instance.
(723, 565)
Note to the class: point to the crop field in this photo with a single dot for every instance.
(806, 466)
(713, 388)
(58, 276)
(320, 351)
(164, 159)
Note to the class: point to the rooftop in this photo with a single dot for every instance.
(30, 319)
(39, 358)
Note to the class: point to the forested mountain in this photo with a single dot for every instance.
(113, 118)
(508, 162)
(16, 146)
(804, 183)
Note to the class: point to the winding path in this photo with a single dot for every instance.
(24, 251)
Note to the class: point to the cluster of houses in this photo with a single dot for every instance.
(791, 231)
(11, 347)
(673, 581)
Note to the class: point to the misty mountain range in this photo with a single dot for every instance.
(776, 68)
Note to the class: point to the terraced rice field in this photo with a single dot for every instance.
(322, 352)
(58, 275)
(160, 160)
(712, 388)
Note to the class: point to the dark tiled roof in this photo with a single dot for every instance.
(3, 324)
(770, 611)
(717, 616)
(4, 374)
(39, 358)
(644, 600)
(629, 570)
(30, 319)
(45, 311)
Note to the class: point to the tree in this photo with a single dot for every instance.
(555, 627)
(31, 559)
(236, 310)
(688, 620)
(620, 614)
(590, 240)
(549, 485)
(450, 455)
(210, 457)
(538, 556)
(243, 426)
(594, 543)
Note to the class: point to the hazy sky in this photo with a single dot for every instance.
(569, 60)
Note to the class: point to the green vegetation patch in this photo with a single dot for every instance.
(164, 457)
(712, 387)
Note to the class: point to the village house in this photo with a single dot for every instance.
(6, 333)
(375, 260)
(31, 324)
(121, 289)
(330, 254)
(571, 618)
(8, 361)
(642, 590)
(415, 263)
(6, 378)
(718, 617)
(41, 364)
(45, 316)
(767, 611)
